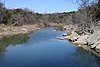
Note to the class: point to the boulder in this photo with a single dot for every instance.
(23, 29)
(80, 42)
(94, 37)
(74, 35)
(95, 44)
(74, 39)
(64, 34)
(98, 48)
(83, 38)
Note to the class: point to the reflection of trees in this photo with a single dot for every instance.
(84, 58)
(59, 28)
(12, 40)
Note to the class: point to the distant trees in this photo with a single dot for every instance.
(87, 15)
(2, 11)
(26, 16)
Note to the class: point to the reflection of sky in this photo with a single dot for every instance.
(40, 36)
(47, 52)
(43, 6)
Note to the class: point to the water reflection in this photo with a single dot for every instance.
(84, 58)
(12, 40)
(59, 28)
(43, 50)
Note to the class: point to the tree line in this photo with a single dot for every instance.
(87, 16)
(26, 16)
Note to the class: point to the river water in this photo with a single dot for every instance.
(42, 49)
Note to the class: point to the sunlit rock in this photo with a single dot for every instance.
(94, 37)
(98, 48)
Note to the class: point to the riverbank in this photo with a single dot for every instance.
(86, 40)
(15, 30)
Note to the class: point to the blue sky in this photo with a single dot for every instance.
(43, 6)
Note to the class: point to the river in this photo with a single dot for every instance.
(42, 49)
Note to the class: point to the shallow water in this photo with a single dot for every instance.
(42, 49)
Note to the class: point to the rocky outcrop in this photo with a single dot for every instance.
(91, 40)
(94, 40)
(98, 48)
(82, 40)
(70, 28)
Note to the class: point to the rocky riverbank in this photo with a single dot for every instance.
(85, 40)
(14, 30)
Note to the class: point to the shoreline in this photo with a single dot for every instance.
(87, 41)
(15, 30)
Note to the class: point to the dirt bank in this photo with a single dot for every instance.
(14, 30)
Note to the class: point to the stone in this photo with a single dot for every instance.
(24, 29)
(74, 38)
(61, 38)
(80, 42)
(5, 29)
(98, 48)
(67, 37)
(83, 38)
(74, 34)
(64, 34)
(14, 30)
(94, 37)
(95, 44)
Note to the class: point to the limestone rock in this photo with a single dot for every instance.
(80, 42)
(74, 38)
(83, 38)
(94, 37)
(98, 48)
(95, 44)
(64, 34)
(67, 37)
(74, 34)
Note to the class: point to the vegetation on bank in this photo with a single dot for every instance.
(87, 16)
(24, 16)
